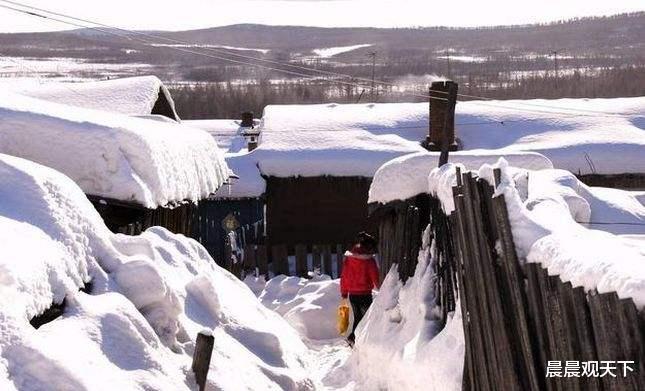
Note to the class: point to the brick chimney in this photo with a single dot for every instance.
(247, 119)
(440, 126)
(250, 134)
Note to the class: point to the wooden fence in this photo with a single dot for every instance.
(399, 227)
(299, 260)
(516, 316)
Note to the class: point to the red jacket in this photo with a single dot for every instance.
(360, 273)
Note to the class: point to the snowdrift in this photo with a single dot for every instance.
(148, 296)
(400, 345)
(130, 95)
(309, 305)
(111, 155)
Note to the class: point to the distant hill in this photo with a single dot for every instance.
(622, 35)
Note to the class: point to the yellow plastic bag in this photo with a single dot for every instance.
(343, 317)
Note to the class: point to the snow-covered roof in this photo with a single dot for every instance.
(226, 132)
(131, 95)
(111, 155)
(337, 140)
(150, 296)
(569, 132)
(577, 135)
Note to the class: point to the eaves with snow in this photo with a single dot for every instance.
(136, 96)
(151, 163)
(357, 139)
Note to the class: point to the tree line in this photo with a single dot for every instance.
(227, 99)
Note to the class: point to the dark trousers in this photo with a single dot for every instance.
(360, 304)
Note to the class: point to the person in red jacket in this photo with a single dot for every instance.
(359, 276)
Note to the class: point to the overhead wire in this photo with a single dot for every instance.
(550, 109)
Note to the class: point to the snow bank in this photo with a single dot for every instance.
(130, 96)
(568, 227)
(399, 345)
(307, 305)
(150, 296)
(407, 176)
(111, 155)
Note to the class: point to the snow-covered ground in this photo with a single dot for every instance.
(150, 295)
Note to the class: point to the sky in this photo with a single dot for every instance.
(193, 14)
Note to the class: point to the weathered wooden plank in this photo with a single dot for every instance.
(486, 299)
(279, 259)
(468, 381)
(537, 322)
(512, 282)
(301, 260)
(554, 327)
(316, 258)
(202, 358)
(607, 335)
(634, 343)
(473, 314)
(249, 258)
(326, 259)
(262, 260)
(340, 257)
(584, 331)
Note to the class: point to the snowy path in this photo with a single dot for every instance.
(327, 365)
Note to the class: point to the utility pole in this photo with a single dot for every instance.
(448, 62)
(373, 55)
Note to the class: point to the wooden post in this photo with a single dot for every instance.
(315, 255)
(448, 135)
(280, 259)
(249, 258)
(340, 256)
(326, 257)
(262, 260)
(202, 357)
(301, 260)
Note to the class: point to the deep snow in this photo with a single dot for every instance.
(129, 95)
(149, 162)
(570, 228)
(150, 296)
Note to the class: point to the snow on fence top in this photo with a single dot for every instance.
(337, 140)
(578, 232)
(407, 176)
(150, 295)
(131, 96)
(111, 155)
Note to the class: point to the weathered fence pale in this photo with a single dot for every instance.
(516, 316)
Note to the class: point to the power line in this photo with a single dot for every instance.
(148, 43)
(156, 45)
